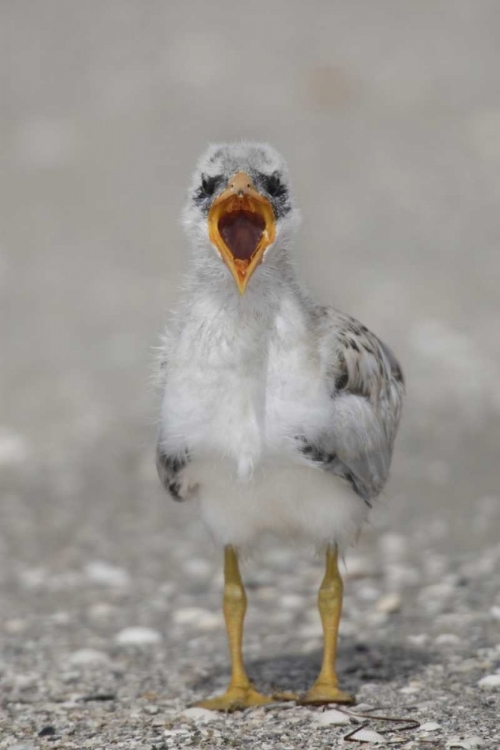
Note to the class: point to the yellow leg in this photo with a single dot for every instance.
(240, 692)
(326, 689)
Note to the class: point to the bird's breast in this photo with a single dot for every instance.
(218, 408)
(243, 395)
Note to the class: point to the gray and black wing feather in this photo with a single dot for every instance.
(367, 387)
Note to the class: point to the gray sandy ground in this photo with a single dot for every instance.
(389, 114)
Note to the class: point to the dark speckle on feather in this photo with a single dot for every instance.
(175, 488)
(175, 463)
(315, 454)
(329, 461)
(169, 467)
(341, 380)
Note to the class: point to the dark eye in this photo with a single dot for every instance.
(209, 184)
(274, 186)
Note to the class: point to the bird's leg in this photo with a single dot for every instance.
(240, 692)
(325, 689)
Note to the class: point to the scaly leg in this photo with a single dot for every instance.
(325, 689)
(240, 692)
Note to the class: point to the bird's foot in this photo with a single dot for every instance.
(236, 699)
(326, 693)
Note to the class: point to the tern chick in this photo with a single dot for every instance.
(278, 414)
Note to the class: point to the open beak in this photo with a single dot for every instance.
(241, 225)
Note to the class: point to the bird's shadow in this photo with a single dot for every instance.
(357, 664)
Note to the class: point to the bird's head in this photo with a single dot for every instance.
(239, 207)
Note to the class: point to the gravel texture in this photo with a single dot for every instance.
(110, 620)
(114, 664)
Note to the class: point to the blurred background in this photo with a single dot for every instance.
(390, 119)
(389, 116)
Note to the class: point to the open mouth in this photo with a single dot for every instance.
(241, 225)
(242, 230)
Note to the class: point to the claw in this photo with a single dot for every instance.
(236, 699)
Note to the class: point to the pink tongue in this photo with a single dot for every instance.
(241, 231)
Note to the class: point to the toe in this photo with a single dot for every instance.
(235, 699)
(320, 694)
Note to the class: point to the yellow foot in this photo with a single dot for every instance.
(236, 699)
(324, 693)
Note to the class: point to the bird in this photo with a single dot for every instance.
(278, 414)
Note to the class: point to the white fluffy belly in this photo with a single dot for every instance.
(283, 498)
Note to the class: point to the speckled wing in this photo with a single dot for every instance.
(367, 386)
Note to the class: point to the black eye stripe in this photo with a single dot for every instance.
(273, 185)
(266, 183)
(207, 189)
(209, 184)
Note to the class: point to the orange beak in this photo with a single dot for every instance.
(241, 225)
